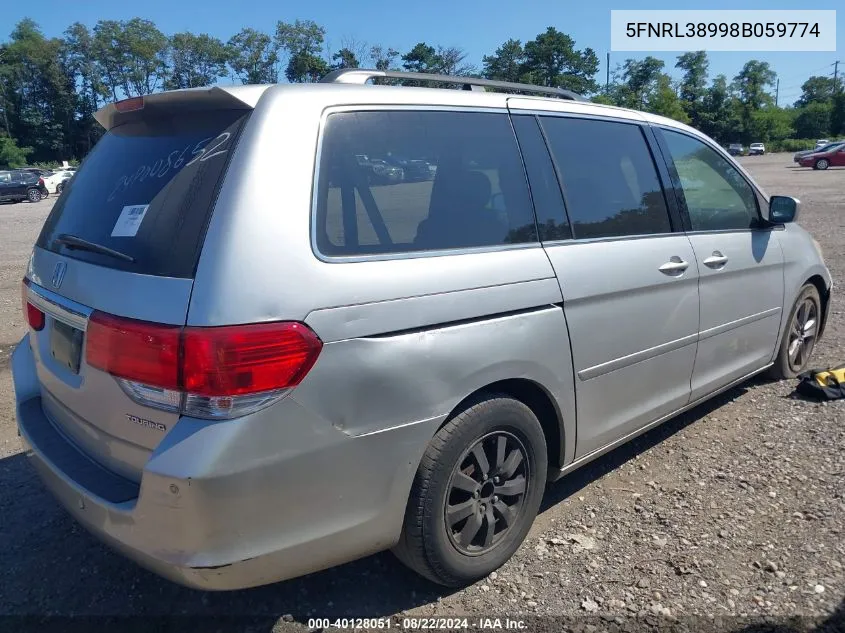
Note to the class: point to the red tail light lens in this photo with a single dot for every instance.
(128, 105)
(135, 350)
(41, 181)
(219, 370)
(34, 317)
(244, 359)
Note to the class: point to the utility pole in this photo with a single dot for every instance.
(835, 74)
(607, 79)
(777, 91)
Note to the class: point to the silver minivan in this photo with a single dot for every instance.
(275, 328)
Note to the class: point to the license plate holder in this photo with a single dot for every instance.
(66, 345)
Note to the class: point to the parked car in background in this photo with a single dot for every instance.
(412, 170)
(756, 149)
(832, 156)
(799, 155)
(55, 181)
(736, 149)
(234, 388)
(21, 184)
(382, 172)
(821, 143)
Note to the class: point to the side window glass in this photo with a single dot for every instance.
(5, 176)
(717, 197)
(609, 179)
(401, 181)
(545, 189)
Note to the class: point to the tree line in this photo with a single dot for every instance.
(51, 86)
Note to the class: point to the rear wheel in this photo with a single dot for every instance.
(476, 492)
(33, 195)
(822, 164)
(800, 336)
(60, 187)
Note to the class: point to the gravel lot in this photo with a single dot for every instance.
(735, 508)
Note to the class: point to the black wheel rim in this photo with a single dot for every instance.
(802, 334)
(486, 492)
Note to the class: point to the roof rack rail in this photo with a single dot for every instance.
(362, 76)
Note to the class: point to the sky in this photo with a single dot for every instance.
(478, 27)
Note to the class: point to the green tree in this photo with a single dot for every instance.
(196, 60)
(81, 65)
(640, 78)
(750, 86)
(305, 67)
(145, 50)
(37, 92)
(837, 114)
(303, 42)
(551, 59)
(11, 155)
(421, 59)
(773, 124)
(345, 58)
(694, 83)
(253, 57)
(813, 121)
(815, 89)
(110, 57)
(719, 117)
(507, 63)
(664, 101)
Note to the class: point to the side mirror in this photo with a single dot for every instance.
(783, 209)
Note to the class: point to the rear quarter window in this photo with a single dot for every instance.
(404, 181)
(147, 190)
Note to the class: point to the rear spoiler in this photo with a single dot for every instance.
(190, 99)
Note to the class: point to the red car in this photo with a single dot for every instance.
(832, 157)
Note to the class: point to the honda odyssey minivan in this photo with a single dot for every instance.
(234, 388)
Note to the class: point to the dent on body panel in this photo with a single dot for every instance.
(369, 384)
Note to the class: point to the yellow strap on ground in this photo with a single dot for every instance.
(823, 377)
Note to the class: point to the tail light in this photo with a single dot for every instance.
(207, 372)
(41, 182)
(34, 316)
(129, 105)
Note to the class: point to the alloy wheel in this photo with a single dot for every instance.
(802, 334)
(486, 492)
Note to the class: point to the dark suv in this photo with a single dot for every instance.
(19, 184)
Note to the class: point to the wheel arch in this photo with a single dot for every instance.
(824, 295)
(535, 397)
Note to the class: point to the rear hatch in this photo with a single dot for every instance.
(124, 241)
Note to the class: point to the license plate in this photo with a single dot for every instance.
(66, 345)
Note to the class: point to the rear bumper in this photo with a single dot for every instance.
(234, 504)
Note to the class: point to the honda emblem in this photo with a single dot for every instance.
(59, 274)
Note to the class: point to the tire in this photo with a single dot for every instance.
(59, 188)
(787, 363)
(462, 553)
(33, 195)
(822, 164)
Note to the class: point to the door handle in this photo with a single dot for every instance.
(716, 260)
(675, 266)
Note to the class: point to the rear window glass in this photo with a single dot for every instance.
(147, 190)
(401, 181)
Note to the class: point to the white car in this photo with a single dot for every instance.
(54, 182)
(821, 143)
(756, 149)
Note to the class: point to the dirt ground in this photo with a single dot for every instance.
(735, 508)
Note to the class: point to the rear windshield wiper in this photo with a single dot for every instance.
(71, 241)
